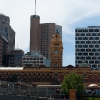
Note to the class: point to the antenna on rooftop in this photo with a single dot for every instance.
(35, 7)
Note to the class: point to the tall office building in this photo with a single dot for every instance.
(41, 35)
(6, 31)
(87, 46)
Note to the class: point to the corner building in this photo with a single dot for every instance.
(41, 35)
(6, 31)
(87, 46)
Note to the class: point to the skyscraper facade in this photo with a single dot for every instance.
(41, 35)
(87, 46)
(6, 31)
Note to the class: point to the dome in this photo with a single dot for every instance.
(2, 14)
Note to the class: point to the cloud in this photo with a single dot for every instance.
(68, 13)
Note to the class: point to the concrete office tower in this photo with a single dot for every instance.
(41, 35)
(87, 46)
(6, 31)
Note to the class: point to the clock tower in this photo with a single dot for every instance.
(56, 50)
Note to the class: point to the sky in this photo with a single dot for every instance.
(70, 14)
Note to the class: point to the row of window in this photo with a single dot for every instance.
(32, 58)
(86, 38)
(88, 58)
(87, 42)
(33, 62)
(90, 62)
(88, 50)
(87, 46)
(88, 54)
(87, 30)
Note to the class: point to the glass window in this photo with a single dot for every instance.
(79, 38)
(90, 30)
(79, 53)
(77, 57)
(85, 30)
(94, 42)
(99, 58)
(79, 62)
(91, 46)
(80, 46)
(80, 30)
(83, 42)
(83, 34)
(83, 50)
(97, 62)
(91, 62)
(77, 34)
(77, 42)
(85, 54)
(96, 30)
(93, 50)
(99, 42)
(91, 53)
(96, 38)
(88, 34)
(90, 38)
(97, 54)
(88, 42)
(97, 46)
(94, 66)
(93, 34)
(85, 46)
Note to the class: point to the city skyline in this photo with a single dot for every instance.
(69, 14)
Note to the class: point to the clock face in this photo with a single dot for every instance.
(56, 52)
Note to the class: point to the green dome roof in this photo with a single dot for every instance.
(2, 14)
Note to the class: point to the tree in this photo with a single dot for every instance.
(73, 81)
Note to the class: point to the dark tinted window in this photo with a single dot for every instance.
(80, 46)
(90, 30)
(77, 42)
(96, 30)
(82, 50)
(93, 50)
(88, 42)
(79, 38)
(97, 46)
(97, 62)
(85, 30)
(91, 46)
(97, 38)
(85, 46)
(93, 34)
(83, 34)
(97, 54)
(80, 30)
(90, 38)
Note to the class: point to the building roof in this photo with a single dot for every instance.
(11, 68)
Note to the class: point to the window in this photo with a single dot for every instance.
(97, 46)
(90, 30)
(80, 46)
(91, 46)
(96, 38)
(96, 30)
(83, 34)
(79, 38)
(90, 38)
(80, 30)
(93, 34)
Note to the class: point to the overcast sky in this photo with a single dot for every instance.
(70, 14)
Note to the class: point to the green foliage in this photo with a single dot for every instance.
(73, 81)
(91, 99)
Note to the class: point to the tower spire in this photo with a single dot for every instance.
(35, 7)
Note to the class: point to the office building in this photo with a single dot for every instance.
(14, 58)
(6, 31)
(35, 59)
(87, 46)
(41, 35)
(3, 50)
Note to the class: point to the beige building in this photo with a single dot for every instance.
(41, 35)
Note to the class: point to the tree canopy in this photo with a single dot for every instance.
(73, 81)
